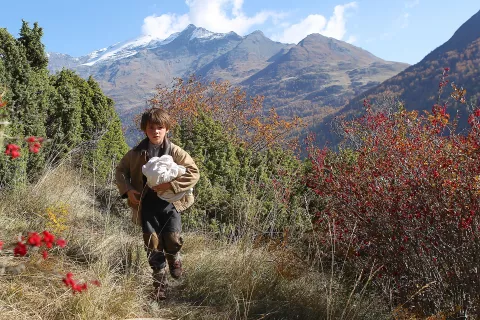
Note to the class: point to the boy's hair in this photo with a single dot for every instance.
(155, 116)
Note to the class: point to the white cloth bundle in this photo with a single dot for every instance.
(163, 169)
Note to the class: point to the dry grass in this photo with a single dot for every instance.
(241, 281)
(222, 281)
(100, 246)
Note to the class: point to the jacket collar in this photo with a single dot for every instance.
(143, 146)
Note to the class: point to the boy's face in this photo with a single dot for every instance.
(155, 133)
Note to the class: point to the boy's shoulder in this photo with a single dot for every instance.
(176, 150)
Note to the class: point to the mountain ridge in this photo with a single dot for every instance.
(417, 86)
(310, 79)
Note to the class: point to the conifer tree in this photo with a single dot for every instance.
(64, 115)
(15, 73)
(34, 48)
(64, 108)
(101, 123)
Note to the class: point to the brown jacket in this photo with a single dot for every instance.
(129, 175)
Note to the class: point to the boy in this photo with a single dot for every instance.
(160, 220)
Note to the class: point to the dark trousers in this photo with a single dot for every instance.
(161, 225)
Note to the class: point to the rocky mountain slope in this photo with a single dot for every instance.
(311, 79)
(417, 86)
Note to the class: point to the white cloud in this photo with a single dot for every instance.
(314, 23)
(214, 15)
(162, 26)
(237, 7)
(224, 15)
(227, 15)
(334, 27)
(351, 39)
(404, 19)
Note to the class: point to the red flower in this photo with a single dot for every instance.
(12, 150)
(20, 249)
(68, 280)
(48, 239)
(477, 113)
(79, 287)
(34, 239)
(96, 283)
(34, 143)
(61, 243)
(45, 254)
(1, 245)
(35, 147)
(76, 287)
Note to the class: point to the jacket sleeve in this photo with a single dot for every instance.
(122, 175)
(190, 178)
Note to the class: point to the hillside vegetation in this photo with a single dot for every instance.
(63, 109)
(385, 227)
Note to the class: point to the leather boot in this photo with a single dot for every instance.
(174, 265)
(159, 284)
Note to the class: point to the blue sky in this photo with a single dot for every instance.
(396, 30)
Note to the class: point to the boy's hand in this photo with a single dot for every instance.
(162, 187)
(133, 196)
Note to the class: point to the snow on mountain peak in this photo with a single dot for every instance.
(200, 33)
(120, 50)
(129, 48)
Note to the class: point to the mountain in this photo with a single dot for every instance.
(417, 86)
(319, 72)
(254, 53)
(129, 72)
(311, 79)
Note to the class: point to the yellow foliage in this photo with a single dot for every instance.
(458, 93)
(57, 216)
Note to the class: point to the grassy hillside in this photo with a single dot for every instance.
(246, 279)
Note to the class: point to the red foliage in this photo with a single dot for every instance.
(47, 239)
(406, 197)
(61, 243)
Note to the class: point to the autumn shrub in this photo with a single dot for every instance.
(251, 180)
(242, 118)
(404, 198)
